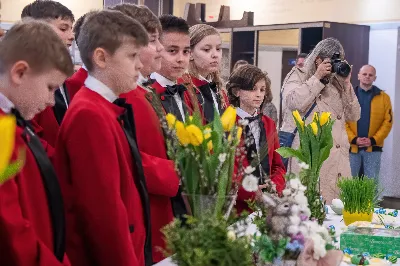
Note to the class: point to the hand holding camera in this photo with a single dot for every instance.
(323, 69)
(334, 65)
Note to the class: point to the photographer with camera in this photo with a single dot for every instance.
(321, 85)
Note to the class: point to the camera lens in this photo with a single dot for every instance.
(341, 68)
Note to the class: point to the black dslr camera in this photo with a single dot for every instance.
(339, 66)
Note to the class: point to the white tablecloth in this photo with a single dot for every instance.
(331, 219)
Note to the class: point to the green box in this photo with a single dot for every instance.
(371, 240)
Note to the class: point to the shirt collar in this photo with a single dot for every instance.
(203, 78)
(5, 104)
(97, 86)
(243, 114)
(142, 79)
(163, 81)
(84, 67)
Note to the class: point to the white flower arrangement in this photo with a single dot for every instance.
(288, 218)
(250, 183)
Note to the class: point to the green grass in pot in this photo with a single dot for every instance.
(359, 194)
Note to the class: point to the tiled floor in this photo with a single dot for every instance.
(391, 203)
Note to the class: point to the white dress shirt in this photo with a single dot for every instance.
(99, 87)
(254, 126)
(62, 90)
(164, 82)
(212, 93)
(5, 104)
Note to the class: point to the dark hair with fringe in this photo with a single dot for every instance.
(245, 78)
(47, 9)
(170, 23)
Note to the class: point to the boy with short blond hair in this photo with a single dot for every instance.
(162, 180)
(60, 18)
(99, 164)
(32, 225)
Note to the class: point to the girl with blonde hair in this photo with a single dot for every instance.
(204, 70)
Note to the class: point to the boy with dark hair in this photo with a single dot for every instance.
(32, 225)
(162, 180)
(60, 18)
(174, 62)
(99, 164)
(77, 80)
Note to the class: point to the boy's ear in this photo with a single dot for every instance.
(99, 57)
(18, 71)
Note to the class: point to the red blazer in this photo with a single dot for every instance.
(75, 82)
(26, 231)
(277, 169)
(162, 180)
(47, 121)
(104, 213)
(205, 99)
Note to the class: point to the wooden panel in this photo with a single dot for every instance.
(355, 41)
(225, 37)
(279, 37)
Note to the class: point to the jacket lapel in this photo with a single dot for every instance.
(52, 188)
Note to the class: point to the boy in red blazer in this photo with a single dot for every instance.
(77, 80)
(163, 183)
(32, 225)
(60, 18)
(101, 174)
(174, 62)
(247, 88)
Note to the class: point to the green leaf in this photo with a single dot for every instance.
(289, 152)
(325, 151)
(13, 168)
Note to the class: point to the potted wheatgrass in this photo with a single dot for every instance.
(359, 196)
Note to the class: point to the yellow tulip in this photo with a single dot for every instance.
(239, 133)
(171, 119)
(210, 145)
(182, 134)
(228, 118)
(195, 135)
(298, 118)
(316, 117)
(207, 133)
(7, 139)
(314, 128)
(325, 118)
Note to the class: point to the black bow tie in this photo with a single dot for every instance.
(254, 118)
(177, 88)
(121, 102)
(213, 86)
(148, 82)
